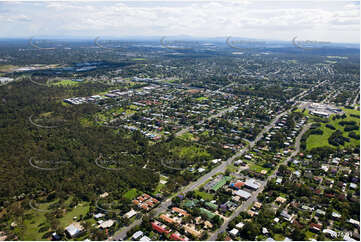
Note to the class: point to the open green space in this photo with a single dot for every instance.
(201, 98)
(278, 237)
(131, 194)
(206, 196)
(66, 83)
(80, 209)
(257, 168)
(36, 226)
(191, 152)
(187, 136)
(315, 140)
(232, 168)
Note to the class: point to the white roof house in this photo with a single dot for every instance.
(348, 238)
(107, 224)
(130, 214)
(145, 238)
(336, 215)
(353, 221)
(330, 232)
(251, 183)
(353, 185)
(200, 170)
(243, 194)
(99, 215)
(239, 225)
(238, 162)
(74, 229)
(234, 232)
(137, 235)
(320, 212)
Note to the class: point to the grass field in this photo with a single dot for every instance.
(36, 219)
(187, 136)
(257, 168)
(191, 152)
(85, 122)
(278, 237)
(314, 141)
(80, 209)
(232, 168)
(131, 194)
(201, 98)
(66, 83)
(206, 196)
(159, 188)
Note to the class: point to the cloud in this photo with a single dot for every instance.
(199, 18)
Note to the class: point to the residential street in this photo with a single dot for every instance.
(121, 234)
(253, 199)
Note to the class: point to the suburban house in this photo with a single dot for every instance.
(74, 229)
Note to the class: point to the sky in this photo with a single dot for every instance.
(322, 20)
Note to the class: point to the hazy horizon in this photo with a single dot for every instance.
(331, 21)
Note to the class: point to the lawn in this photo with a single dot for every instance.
(85, 122)
(278, 237)
(232, 168)
(38, 220)
(131, 194)
(80, 209)
(310, 235)
(201, 98)
(206, 196)
(117, 110)
(66, 83)
(191, 152)
(159, 188)
(32, 225)
(257, 168)
(314, 141)
(187, 136)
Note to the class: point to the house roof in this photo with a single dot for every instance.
(234, 232)
(208, 213)
(221, 183)
(73, 229)
(137, 234)
(243, 194)
(107, 224)
(181, 211)
(145, 238)
(281, 199)
(167, 219)
(238, 184)
(192, 231)
(130, 214)
(178, 236)
(211, 205)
